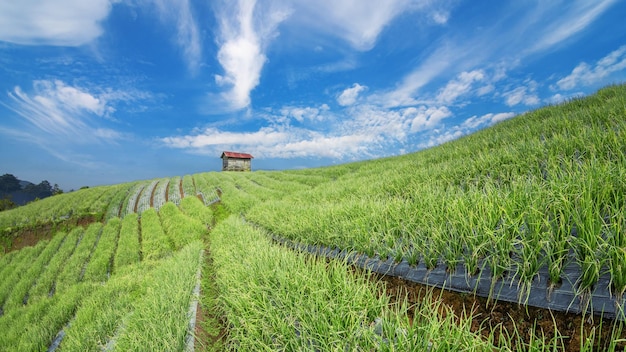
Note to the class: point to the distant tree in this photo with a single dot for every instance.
(6, 203)
(56, 190)
(84, 187)
(42, 190)
(9, 183)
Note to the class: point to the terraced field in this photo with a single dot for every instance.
(531, 211)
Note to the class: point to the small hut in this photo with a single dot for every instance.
(232, 161)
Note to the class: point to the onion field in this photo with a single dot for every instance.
(531, 211)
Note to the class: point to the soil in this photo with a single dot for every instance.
(514, 319)
(30, 236)
(201, 335)
(211, 327)
(152, 197)
(137, 199)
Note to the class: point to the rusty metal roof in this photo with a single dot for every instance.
(236, 155)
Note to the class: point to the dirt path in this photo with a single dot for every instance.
(211, 327)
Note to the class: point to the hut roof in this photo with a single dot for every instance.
(236, 155)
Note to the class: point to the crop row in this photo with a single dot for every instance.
(105, 202)
(160, 193)
(189, 188)
(174, 194)
(116, 207)
(52, 281)
(278, 299)
(142, 308)
(145, 201)
(94, 202)
(130, 206)
(241, 191)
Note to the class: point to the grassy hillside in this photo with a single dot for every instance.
(118, 265)
(535, 188)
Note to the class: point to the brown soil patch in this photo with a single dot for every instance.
(511, 318)
(30, 236)
(200, 333)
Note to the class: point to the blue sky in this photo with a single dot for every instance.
(102, 92)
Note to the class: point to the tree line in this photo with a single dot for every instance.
(14, 192)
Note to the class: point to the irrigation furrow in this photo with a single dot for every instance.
(564, 298)
(193, 308)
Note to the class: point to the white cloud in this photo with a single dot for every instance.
(585, 74)
(350, 95)
(274, 142)
(377, 123)
(245, 30)
(215, 137)
(46, 22)
(424, 118)
(460, 86)
(363, 131)
(304, 113)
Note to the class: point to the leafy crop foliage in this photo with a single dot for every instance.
(517, 196)
(280, 300)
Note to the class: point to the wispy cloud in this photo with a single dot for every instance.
(180, 14)
(500, 45)
(359, 22)
(245, 30)
(526, 95)
(459, 86)
(573, 17)
(585, 74)
(61, 22)
(56, 113)
(443, 135)
(404, 94)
